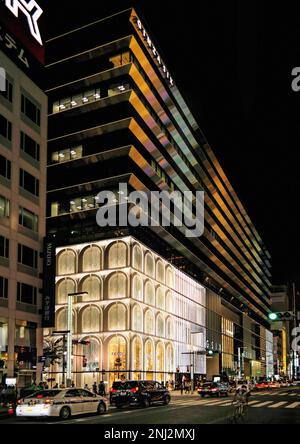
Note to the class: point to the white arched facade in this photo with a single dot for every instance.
(136, 315)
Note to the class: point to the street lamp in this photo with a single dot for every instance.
(70, 334)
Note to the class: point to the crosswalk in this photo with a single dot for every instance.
(227, 402)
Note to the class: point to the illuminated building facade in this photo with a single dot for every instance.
(138, 316)
(116, 115)
(23, 160)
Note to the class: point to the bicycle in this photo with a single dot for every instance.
(240, 410)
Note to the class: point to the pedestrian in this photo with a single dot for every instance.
(56, 386)
(101, 389)
(182, 388)
(95, 388)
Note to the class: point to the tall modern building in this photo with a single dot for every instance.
(23, 146)
(117, 116)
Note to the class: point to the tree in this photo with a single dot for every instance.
(53, 350)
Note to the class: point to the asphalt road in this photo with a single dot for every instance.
(275, 407)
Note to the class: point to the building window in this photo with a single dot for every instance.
(92, 286)
(79, 99)
(29, 183)
(137, 288)
(117, 318)
(28, 220)
(118, 88)
(137, 258)
(30, 110)
(149, 323)
(4, 247)
(117, 286)
(4, 207)
(91, 320)
(3, 288)
(8, 93)
(64, 288)
(120, 59)
(30, 147)
(137, 318)
(27, 256)
(117, 255)
(160, 327)
(5, 128)
(67, 154)
(26, 294)
(160, 299)
(149, 293)
(149, 265)
(5, 167)
(91, 260)
(67, 262)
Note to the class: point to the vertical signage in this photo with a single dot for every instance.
(49, 283)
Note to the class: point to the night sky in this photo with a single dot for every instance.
(232, 62)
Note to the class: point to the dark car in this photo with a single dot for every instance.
(138, 393)
(8, 400)
(213, 389)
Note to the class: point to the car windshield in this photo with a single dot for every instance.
(44, 394)
(128, 385)
(210, 385)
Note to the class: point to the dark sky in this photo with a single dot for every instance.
(232, 61)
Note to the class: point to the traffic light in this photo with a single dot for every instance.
(282, 316)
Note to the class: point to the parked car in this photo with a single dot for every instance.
(213, 389)
(61, 403)
(138, 393)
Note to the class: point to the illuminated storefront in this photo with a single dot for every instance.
(137, 316)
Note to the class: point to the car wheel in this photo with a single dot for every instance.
(101, 408)
(167, 400)
(146, 403)
(65, 413)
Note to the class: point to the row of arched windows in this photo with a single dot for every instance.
(93, 258)
(115, 286)
(91, 320)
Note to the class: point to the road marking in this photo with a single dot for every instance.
(263, 404)
(253, 402)
(277, 405)
(292, 406)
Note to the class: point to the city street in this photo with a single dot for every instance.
(274, 407)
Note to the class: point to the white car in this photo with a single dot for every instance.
(61, 403)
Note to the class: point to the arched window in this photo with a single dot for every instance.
(149, 265)
(160, 361)
(117, 357)
(137, 288)
(160, 299)
(137, 358)
(170, 278)
(117, 255)
(92, 354)
(91, 317)
(160, 272)
(117, 318)
(169, 302)
(137, 318)
(67, 262)
(137, 256)
(160, 328)
(170, 329)
(117, 286)
(170, 359)
(64, 288)
(91, 285)
(149, 359)
(149, 293)
(91, 260)
(62, 320)
(149, 323)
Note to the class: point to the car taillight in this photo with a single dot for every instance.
(49, 401)
(134, 390)
(113, 391)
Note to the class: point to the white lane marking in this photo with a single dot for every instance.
(292, 406)
(253, 402)
(277, 405)
(263, 404)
